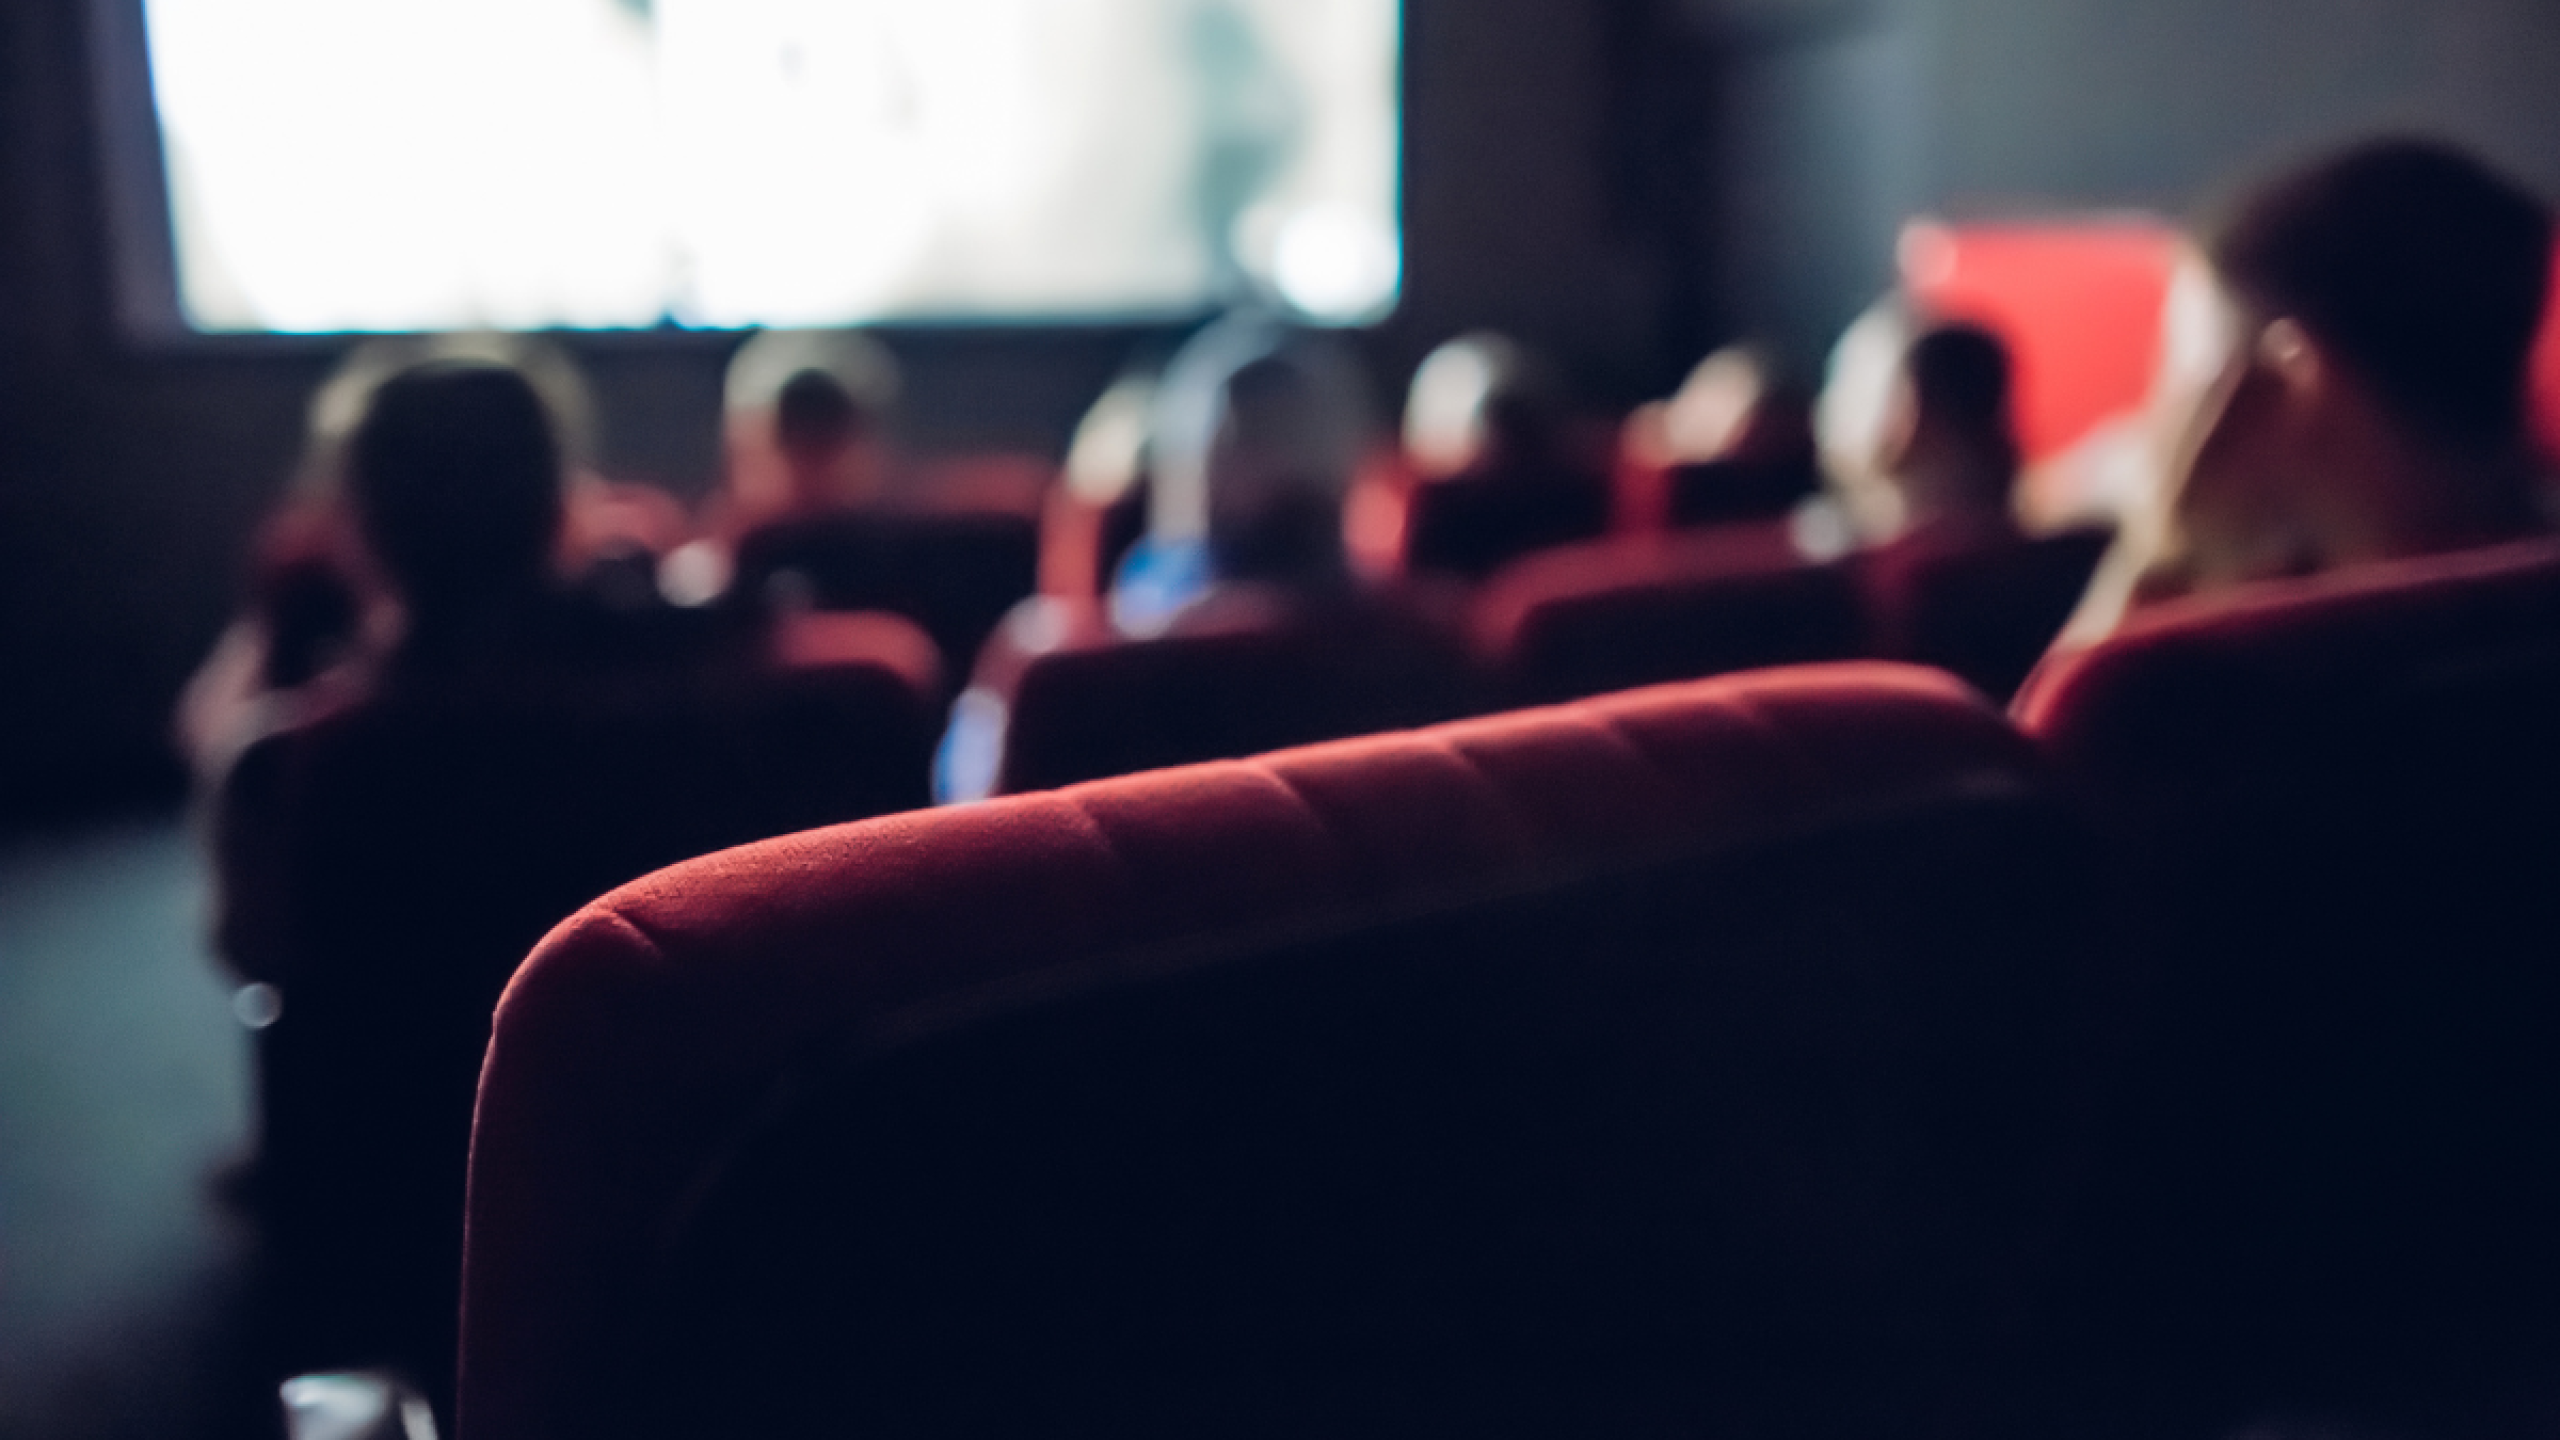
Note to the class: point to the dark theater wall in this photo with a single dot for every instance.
(131, 478)
(1841, 117)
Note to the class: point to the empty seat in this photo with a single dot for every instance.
(1986, 608)
(1079, 700)
(1683, 1062)
(386, 863)
(2336, 807)
(1639, 610)
(953, 572)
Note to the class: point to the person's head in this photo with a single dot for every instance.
(808, 418)
(346, 396)
(1479, 400)
(1950, 443)
(455, 477)
(1258, 431)
(2367, 331)
(1734, 405)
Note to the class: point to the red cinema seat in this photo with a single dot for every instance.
(1639, 610)
(1682, 1062)
(953, 572)
(1082, 701)
(385, 864)
(1986, 608)
(2335, 804)
(1469, 524)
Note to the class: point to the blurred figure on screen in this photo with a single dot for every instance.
(1257, 432)
(2356, 335)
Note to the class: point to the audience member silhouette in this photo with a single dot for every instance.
(806, 426)
(1948, 577)
(1485, 434)
(1735, 442)
(324, 596)
(1257, 432)
(1242, 573)
(2361, 382)
(1950, 447)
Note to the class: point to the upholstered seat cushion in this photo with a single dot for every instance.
(641, 1036)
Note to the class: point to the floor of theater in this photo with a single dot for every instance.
(126, 1285)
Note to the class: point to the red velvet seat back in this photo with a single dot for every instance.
(953, 572)
(1092, 703)
(387, 865)
(1612, 614)
(1986, 609)
(1683, 1060)
(2336, 805)
(1468, 525)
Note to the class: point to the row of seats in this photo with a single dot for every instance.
(802, 702)
(1806, 1052)
(1084, 701)
(514, 808)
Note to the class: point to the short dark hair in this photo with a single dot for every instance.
(455, 475)
(814, 413)
(1960, 372)
(2422, 269)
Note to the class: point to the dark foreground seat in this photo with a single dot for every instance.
(386, 864)
(1644, 609)
(2332, 1176)
(1686, 1062)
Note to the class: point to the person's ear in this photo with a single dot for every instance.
(2295, 359)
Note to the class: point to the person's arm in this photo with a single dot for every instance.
(227, 703)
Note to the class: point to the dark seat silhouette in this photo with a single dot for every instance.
(1986, 608)
(2336, 808)
(1643, 609)
(1685, 1061)
(387, 863)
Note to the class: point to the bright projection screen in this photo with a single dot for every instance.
(396, 165)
